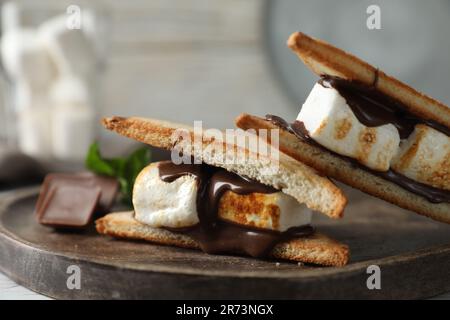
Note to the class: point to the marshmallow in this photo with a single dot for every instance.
(34, 131)
(330, 122)
(162, 204)
(26, 59)
(71, 49)
(70, 89)
(72, 131)
(95, 28)
(425, 157)
(275, 211)
(11, 16)
(22, 96)
(73, 120)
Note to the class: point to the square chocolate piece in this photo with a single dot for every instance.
(69, 205)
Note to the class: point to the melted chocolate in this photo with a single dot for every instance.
(214, 234)
(297, 127)
(373, 108)
(430, 193)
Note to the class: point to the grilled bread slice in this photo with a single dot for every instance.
(315, 249)
(343, 170)
(274, 169)
(324, 59)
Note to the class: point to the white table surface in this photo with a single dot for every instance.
(9, 290)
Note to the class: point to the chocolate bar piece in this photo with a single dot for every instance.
(69, 206)
(61, 192)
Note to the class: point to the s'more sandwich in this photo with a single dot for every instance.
(369, 130)
(221, 195)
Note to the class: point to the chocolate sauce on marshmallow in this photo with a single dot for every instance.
(215, 235)
(373, 108)
(430, 193)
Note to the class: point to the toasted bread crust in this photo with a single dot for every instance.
(315, 249)
(294, 178)
(323, 58)
(342, 170)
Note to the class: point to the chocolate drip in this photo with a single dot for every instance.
(434, 195)
(214, 234)
(373, 108)
(297, 127)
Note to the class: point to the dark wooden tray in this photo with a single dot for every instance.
(413, 253)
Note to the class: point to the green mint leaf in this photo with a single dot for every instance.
(96, 163)
(118, 165)
(134, 164)
(125, 170)
(125, 192)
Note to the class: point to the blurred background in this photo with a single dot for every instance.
(67, 63)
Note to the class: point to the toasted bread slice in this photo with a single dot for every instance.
(342, 170)
(324, 59)
(289, 176)
(316, 249)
